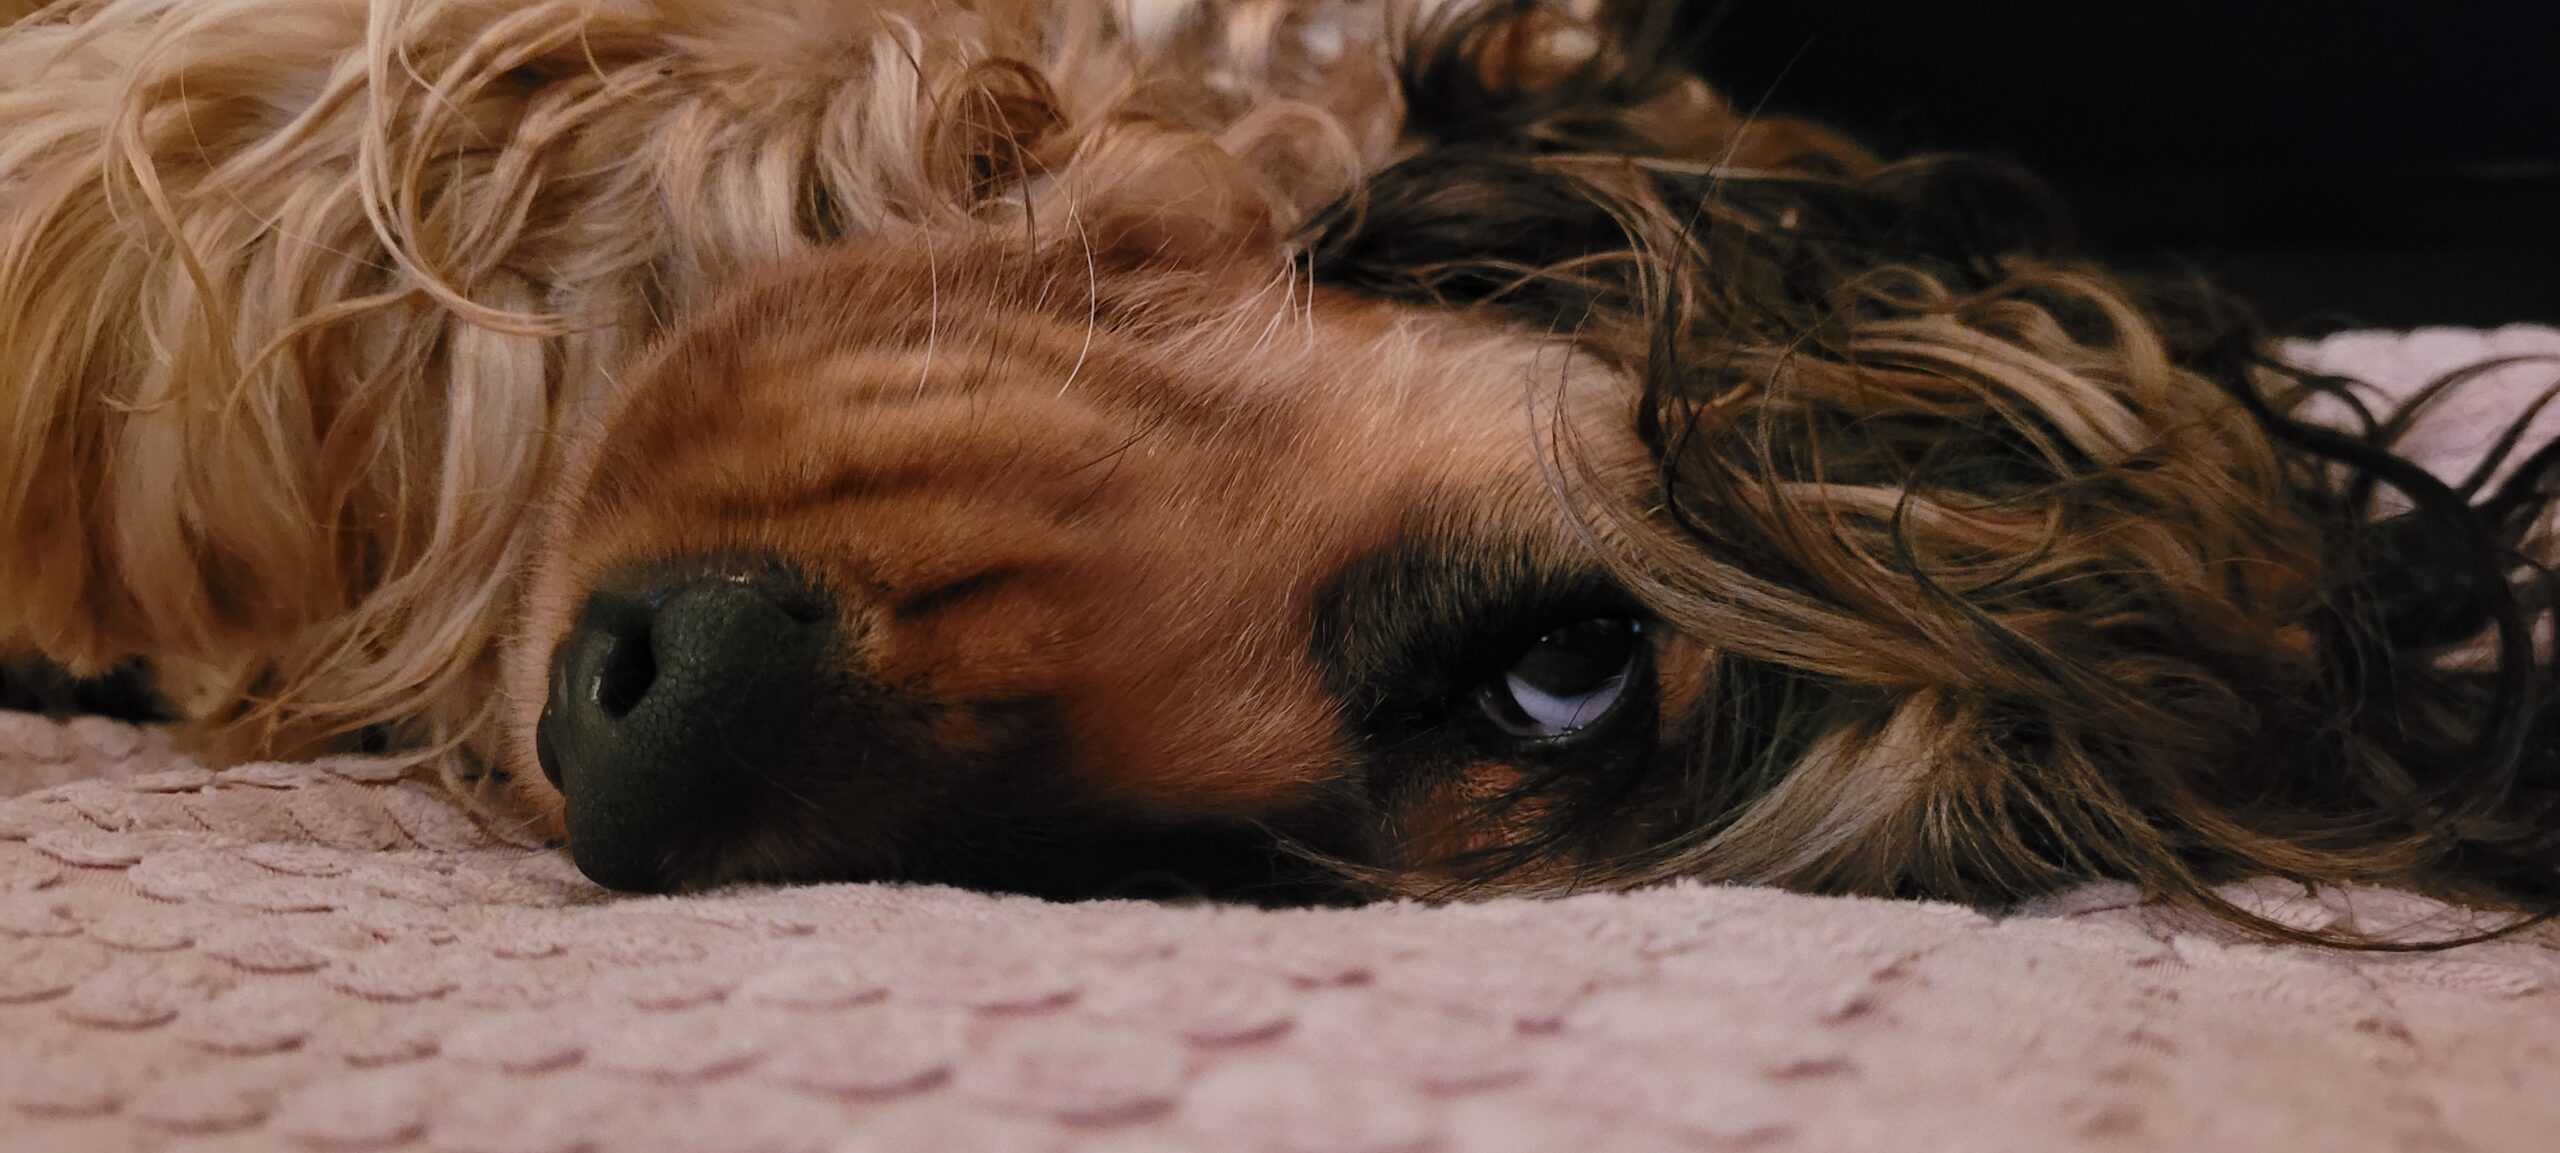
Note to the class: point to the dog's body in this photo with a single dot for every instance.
(1020, 444)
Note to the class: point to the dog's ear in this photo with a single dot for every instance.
(1142, 193)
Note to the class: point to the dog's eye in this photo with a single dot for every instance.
(1570, 680)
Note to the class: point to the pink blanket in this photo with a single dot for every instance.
(325, 956)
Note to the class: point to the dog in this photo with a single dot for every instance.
(1282, 448)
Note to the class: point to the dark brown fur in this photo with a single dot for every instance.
(2202, 654)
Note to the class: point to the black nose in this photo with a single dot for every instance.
(679, 686)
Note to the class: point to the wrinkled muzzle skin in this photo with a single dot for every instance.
(1038, 548)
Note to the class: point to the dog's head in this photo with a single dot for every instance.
(1036, 555)
(1578, 500)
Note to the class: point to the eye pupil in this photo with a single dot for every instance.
(1568, 681)
(1578, 658)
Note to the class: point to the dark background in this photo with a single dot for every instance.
(2340, 163)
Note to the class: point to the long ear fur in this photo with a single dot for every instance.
(2015, 573)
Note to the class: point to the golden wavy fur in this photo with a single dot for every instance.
(1200, 431)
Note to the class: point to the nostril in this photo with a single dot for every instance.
(609, 666)
(599, 674)
(624, 671)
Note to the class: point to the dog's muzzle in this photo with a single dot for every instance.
(679, 688)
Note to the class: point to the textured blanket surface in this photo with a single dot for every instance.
(327, 956)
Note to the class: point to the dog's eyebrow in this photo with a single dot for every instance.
(1405, 628)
